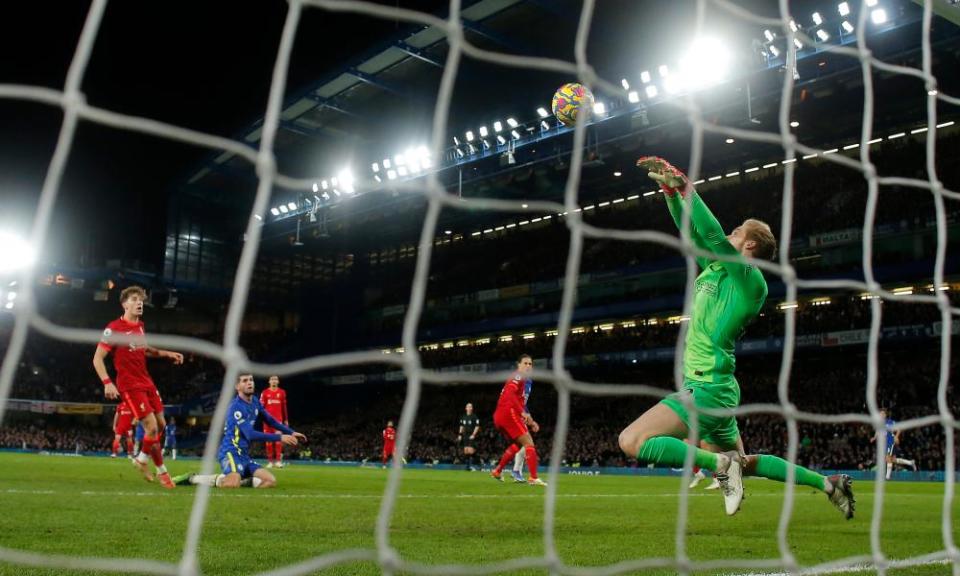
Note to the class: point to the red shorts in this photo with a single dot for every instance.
(388, 449)
(268, 429)
(143, 402)
(124, 424)
(509, 421)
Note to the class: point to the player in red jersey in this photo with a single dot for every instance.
(134, 384)
(274, 401)
(123, 423)
(389, 442)
(512, 419)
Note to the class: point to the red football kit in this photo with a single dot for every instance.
(389, 442)
(274, 401)
(136, 387)
(508, 417)
(124, 419)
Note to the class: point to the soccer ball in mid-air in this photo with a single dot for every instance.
(572, 101)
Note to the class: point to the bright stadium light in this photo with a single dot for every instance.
(275, 211)
(848, 27)
(402, 170)
(484, 132)
(798, 43)
(323, 184)
(284, 209)
(817, 19)
(392, 174)
(456, 141)
(651, 91)
(334, 182)
(843, 8)
(8, 305)
(793, 25)
(633, 96)
(542, 112)
(11, 296)
(511, 122)
(870, 3)
(599, 108)
(346, 180)
(625, 83)
(325, 196)
(822, 35)
(544, 125)
(316, 187)
(706, 63)
(645, 77)
(515, 134)
(498, 127)
(399, 160)
(501, 140)
(424, 155)
(794, 124)
(774, 51)
(768, 35)
(386, 163)
(469, 139)
(292, 205)
(878, 16)
(375, 166)
(663, 70)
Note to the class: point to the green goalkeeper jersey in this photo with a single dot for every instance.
(728, 295)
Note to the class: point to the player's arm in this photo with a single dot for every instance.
(476, 430)
(152, 352)
(283, 404)
(116, 415)
(460, 432)
(282, 427)
(109, 389)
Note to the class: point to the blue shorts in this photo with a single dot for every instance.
(231, 462)
(170, 442)
(891, 449)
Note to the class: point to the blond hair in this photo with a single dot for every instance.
(760, 233)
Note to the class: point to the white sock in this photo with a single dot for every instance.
(518, 460)
(143, 458)
(257, 482)
(904, 462)
(174, 453)
(252, 481)
(889, 469)
(161, 469)
(205, 479)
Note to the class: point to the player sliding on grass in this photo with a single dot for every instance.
(238, 432)
(729, 294)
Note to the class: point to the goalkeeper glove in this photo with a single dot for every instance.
(670, 178)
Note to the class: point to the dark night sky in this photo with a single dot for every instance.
(204, 65)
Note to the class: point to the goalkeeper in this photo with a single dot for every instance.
(728, 295)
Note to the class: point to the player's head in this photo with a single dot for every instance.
(524, 363)
(245, 385)
(883, 413)
(132, 299)
(755, 239)
(273, 381)
(389, 423)
(469, 408)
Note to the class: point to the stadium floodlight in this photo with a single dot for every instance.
(798, 43)
(848, 27)
(377, 178)
(334, 182)
(316, 186)
(817, 19)
(544, 125)
(11, 296)
(456, 141)
(822, 35)
(484, 132)
(292, 205)
(730, 140)
(375, 166)
(392, 174)
(448, 232)
(542, 112)
(346, 180)
(663, 70)
(515, 134)
(645, 77)
(794, 124)
(599, 108)
(618, 174)
(422, 154)
(8, 305)
(511, 122)
(633, 97)
(326, 196)
(387, 164)
(307, 200)
(625, 83)
(870, 3)
(793, 25)
(498, 127)
(651, 91)
(501, 140)
(774, 51)
(469, 139)
(399, 160)
(284, 209)
(878, 16)
(402, 170)
(275, 211)
(843, 8)
(706, 62)
(768, 35)
(15, 253)
(459, 153)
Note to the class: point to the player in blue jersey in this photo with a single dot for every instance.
(170, 438)
(521, 457)
(238, 468)
(892, 438)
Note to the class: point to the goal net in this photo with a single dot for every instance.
(75, 109)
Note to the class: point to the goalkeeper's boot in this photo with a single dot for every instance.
(183, 479)
(166, 481)
(697, 478)
(536, 482)
(517, 476)
(144, 469)
(842, 494)
(496, 475)
(731, 483)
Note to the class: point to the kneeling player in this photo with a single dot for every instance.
(238, 432)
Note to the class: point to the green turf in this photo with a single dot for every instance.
(100, 507)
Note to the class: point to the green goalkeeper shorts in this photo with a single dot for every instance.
(721, 431)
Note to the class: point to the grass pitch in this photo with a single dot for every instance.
(101, 507)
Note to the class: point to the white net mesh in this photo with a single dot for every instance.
(71, 101)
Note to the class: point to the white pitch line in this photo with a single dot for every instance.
(845, 570)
